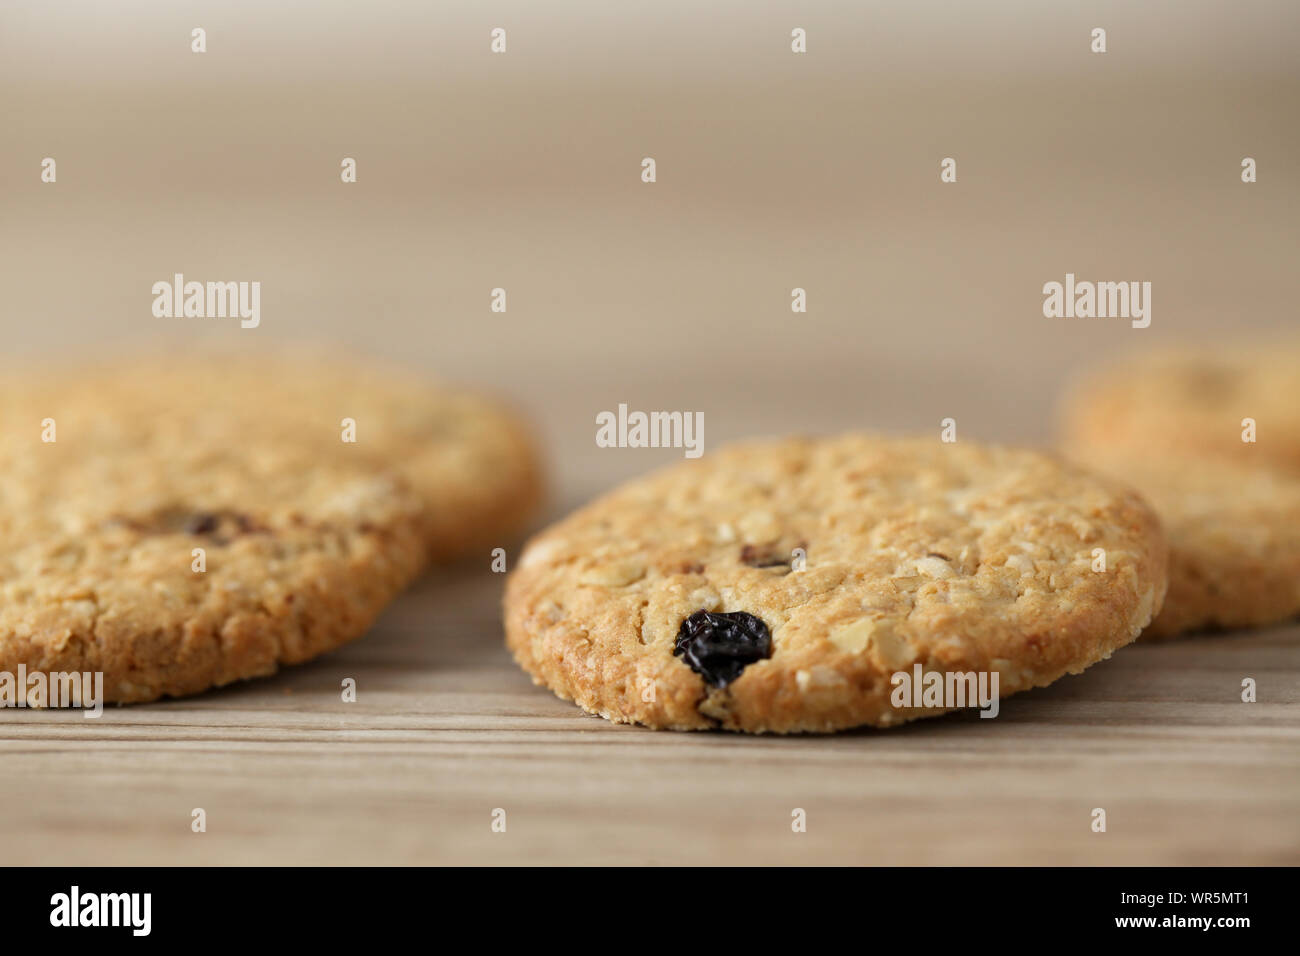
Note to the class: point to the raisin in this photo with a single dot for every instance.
(221, 524)
(719, 646)
(765, 558)
(202, 523)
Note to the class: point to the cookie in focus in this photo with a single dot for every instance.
(823, 567)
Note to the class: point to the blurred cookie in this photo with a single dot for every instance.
(780, 586)
(471, 459)
(1193, 403)
(179, 527)
(1234, 540)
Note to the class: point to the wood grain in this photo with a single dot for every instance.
(445, 730)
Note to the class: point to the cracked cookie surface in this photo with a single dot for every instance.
(862, 556)
(305, 538)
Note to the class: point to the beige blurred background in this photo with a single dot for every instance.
(775, 170)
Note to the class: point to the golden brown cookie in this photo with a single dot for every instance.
(1193, 403)
(471, 459)
(1234, 539)
(197, 522)
(780, 586)
(1172, 424)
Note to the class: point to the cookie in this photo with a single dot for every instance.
(779, 586)
(1193, 403)
(471, 459)
(1234, 539)
(197, 523)
(1172, 424)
